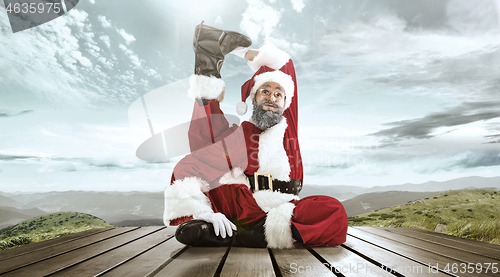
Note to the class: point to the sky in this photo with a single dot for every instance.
(390, 92)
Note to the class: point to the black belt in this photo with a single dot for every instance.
(265, 182)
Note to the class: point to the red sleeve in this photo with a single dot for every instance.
(291, 139)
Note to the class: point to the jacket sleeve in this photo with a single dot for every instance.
(201, 171)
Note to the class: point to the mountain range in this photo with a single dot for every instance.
(128, 208)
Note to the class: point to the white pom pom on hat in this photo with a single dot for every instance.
(241, 108)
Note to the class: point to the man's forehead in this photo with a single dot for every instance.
(272, 84)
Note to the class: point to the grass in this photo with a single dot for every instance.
(47, 227)
(472, 214)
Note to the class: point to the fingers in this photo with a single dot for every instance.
(216, 227)
(222, 226)
(222, 230)
(227, 225)
(218, 220)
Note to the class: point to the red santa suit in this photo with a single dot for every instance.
(214, 176)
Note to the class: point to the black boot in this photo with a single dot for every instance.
(210, 45)
(200, 233)
(253, 236)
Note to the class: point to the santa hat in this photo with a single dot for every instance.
(270, 67)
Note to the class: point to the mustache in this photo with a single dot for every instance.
(268, 102)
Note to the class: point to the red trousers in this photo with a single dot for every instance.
(320, 220)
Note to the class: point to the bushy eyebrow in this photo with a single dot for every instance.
(268, 86)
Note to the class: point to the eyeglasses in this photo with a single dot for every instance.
(277, 94)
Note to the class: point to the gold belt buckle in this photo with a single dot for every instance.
(256, 178)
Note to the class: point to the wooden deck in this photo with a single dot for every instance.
(152, 251)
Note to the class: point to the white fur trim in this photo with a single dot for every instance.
(185, 198)
(272, 154)
(269, 55)
(279, 77)
(203, 87)
(235, 176)
(241, 108)
(278, 227)
(268, 200)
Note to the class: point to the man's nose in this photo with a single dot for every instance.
(272, 96)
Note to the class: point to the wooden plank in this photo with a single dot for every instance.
(391, 261)
(468, 245)
(413, 252)
(48, 266)
(117, 256)
(299, 262)
(348, 263)
(148, 263)
(13, 252)
(444, 250)
(46, 253)
(195, 261)
(465, 240)
(459, 239)
(241, 261)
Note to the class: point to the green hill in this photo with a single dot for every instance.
(48, 226)
(472, 214)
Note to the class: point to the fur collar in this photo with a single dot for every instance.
(272, 154)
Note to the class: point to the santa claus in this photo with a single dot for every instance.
(240, 184)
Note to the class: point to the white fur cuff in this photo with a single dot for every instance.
(278, 227)
(185, 198)
(235, 176)
(271, 56)
(268, 200)
(203, 87)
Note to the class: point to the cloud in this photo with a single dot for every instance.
(218, 21)
(56, 71)
(16, 157)
(422, 128)
(473, 17)
(473, 159)
(126, 36)
(259, 19)
(9, 114)
(62, 164)
(106, 40)
(91, 164)
(104, 22)
(92, 2)
(77, 55)
(133, 57)
(494, 138)
(294, 49)
(298, 5)
(451, 75)
(77, 62)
